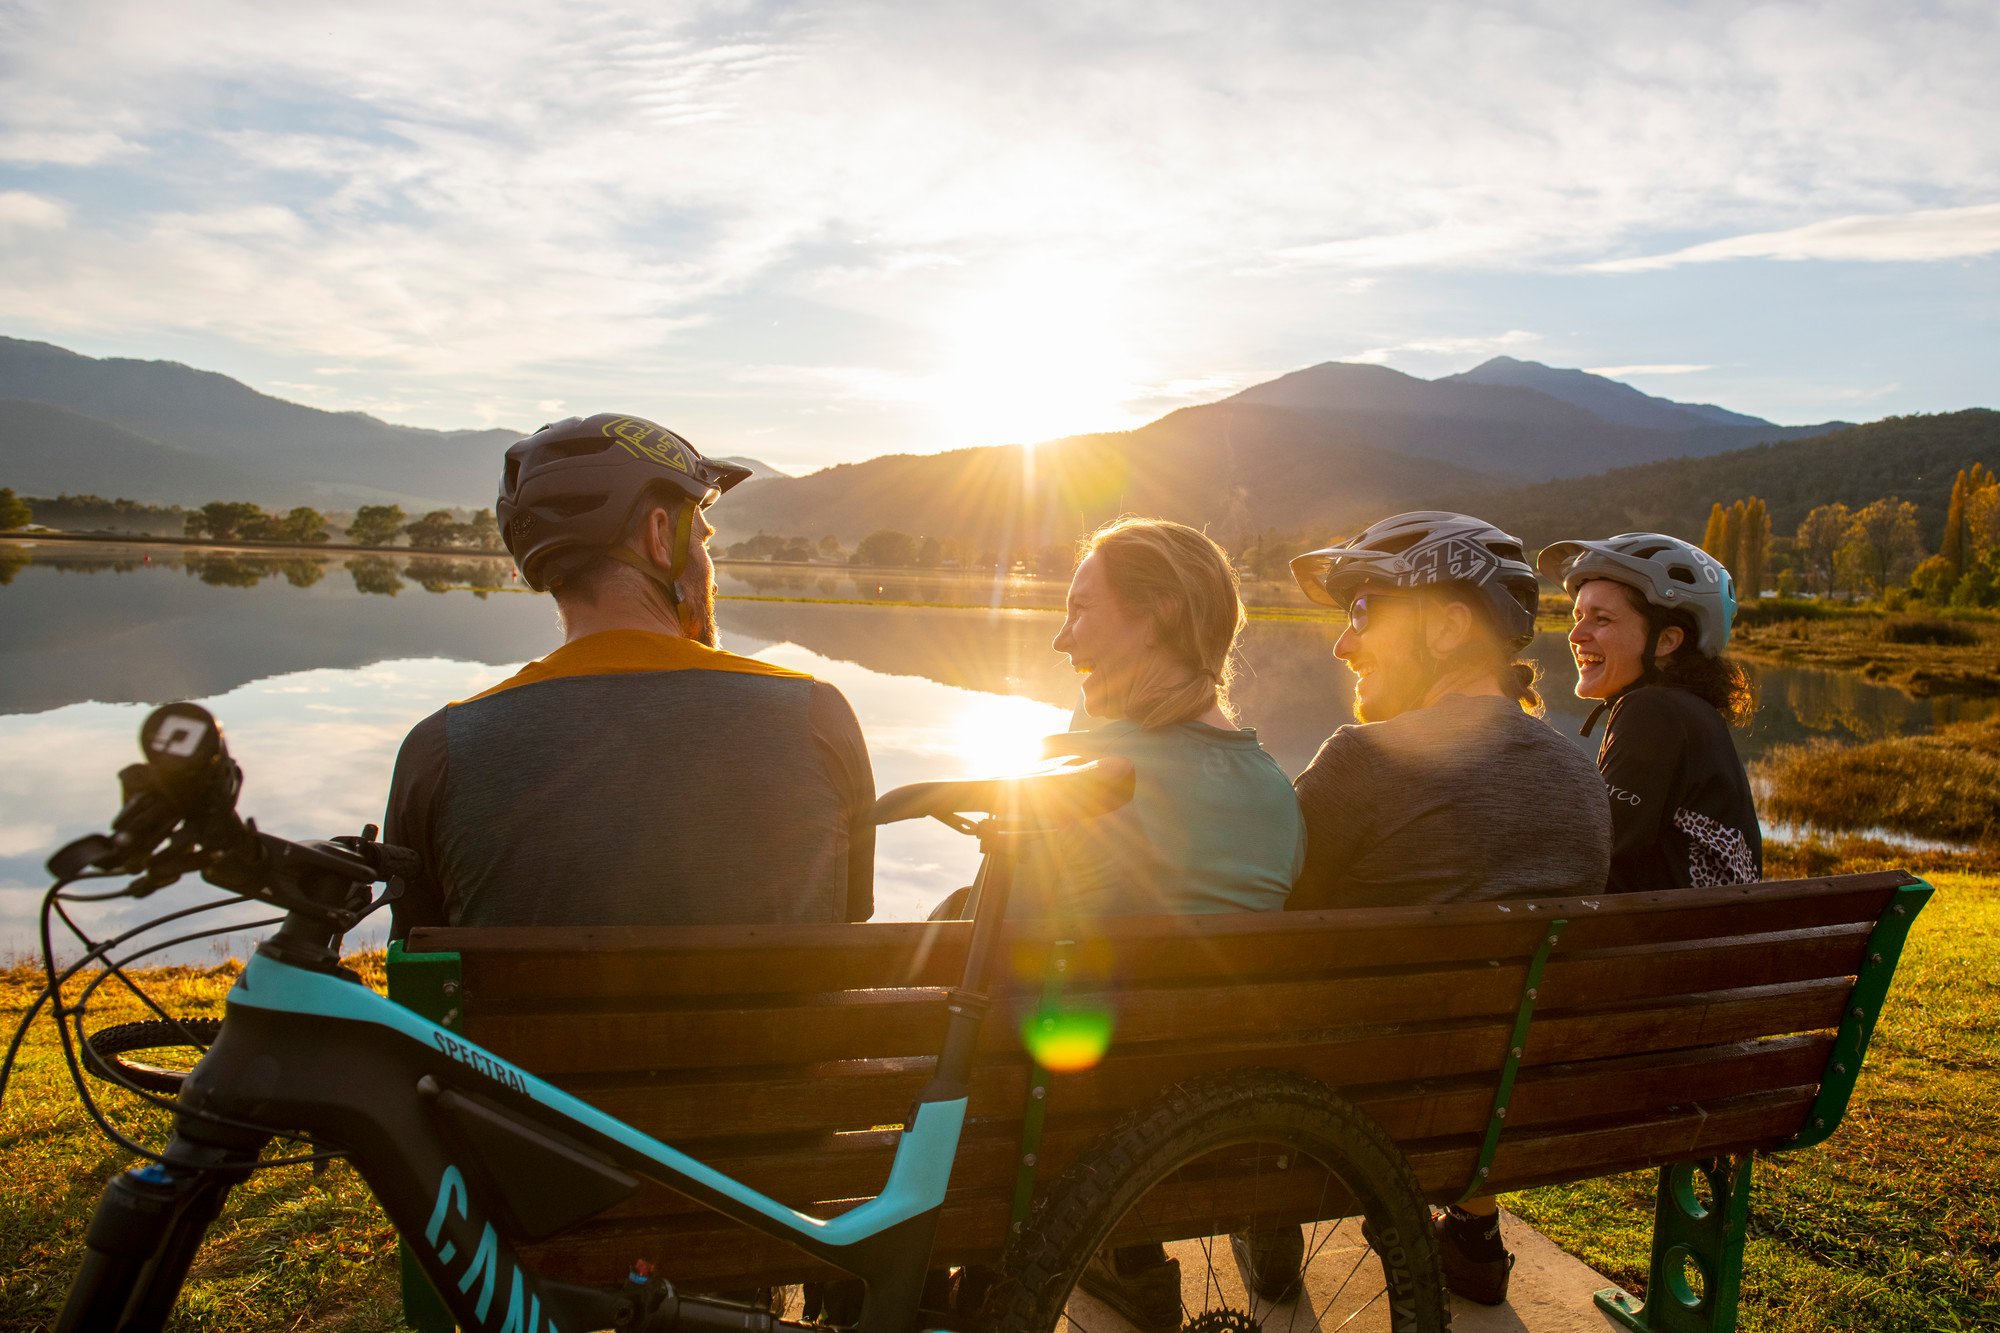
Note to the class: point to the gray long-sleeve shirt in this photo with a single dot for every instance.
(1466, 800)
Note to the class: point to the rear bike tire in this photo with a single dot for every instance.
(1304, 1123)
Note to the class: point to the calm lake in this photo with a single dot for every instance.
(317, 665)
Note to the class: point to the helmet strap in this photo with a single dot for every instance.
(671, 581)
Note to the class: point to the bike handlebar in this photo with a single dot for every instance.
(179, 815)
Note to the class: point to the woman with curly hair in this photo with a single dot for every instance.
(1652, 617)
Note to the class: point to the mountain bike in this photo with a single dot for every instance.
(471, 1156)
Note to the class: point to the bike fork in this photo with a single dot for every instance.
(144, 1235)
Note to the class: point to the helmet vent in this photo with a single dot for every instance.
(569, 506)
(1680, 574)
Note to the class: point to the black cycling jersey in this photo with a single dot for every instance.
(1681, 810)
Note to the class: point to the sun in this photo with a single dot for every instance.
(1040, 353)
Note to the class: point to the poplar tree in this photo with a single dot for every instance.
(1732, 535)
(1712, 536)
(1753, 548)
(1952, 548)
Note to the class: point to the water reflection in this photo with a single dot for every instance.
(318, 664)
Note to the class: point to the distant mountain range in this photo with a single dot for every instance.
(1913, 458)
(1325, 448)
(256, 446)
(1322, 448)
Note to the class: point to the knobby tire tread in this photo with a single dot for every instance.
(108, 1044)
(1190, 1119)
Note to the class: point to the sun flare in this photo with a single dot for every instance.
(1001, 735)
(1041, 354)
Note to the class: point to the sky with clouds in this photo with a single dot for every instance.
(816, 233)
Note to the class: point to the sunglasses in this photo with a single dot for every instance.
(1360, 609)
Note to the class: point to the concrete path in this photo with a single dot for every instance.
(1551, 1291)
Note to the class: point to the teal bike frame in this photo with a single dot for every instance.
(471, 1155)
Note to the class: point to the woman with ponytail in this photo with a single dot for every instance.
(1152, 621)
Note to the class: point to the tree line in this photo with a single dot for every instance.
(1877, 550)
(244, 520)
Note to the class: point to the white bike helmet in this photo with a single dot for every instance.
(1668, 572)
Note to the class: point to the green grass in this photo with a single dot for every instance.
(1890, 1227)
(291, 1250)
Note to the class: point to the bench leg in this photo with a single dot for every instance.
(1700, 1217)
(423, 1309)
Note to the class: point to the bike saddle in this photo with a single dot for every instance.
(1047, 799)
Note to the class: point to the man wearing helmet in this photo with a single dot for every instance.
(637, 774)
(1449, 788)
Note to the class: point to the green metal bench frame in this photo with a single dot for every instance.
(429, 984)
(1696, 1278)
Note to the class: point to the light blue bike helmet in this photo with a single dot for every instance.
(1669, 573)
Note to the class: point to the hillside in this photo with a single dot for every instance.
(1528, 424)
(1914, 457)
(259, 447)
(45, 450)
(1321, 449)
(1233, 465)
(1607, 398)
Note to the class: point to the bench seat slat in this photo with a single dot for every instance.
(879, 1023)
(849, 1166)
(705, 1248)
(863, 1094)
(627, 963)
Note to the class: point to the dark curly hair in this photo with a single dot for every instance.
(1718, 681)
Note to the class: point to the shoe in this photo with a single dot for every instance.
(1481, 1280)
(1149, 1297)
(1269, 1258)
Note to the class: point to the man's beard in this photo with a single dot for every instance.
(1408, 685)
(697, 612)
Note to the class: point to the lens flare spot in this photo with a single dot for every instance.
(1067, 1041)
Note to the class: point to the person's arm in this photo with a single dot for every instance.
(411, 821)
(837, 733)
(1640, 762)
(1333, 796)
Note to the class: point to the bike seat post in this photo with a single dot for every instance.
(968, 1002)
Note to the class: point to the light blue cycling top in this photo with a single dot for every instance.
(1213, 826)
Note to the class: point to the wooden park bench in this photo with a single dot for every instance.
(1501, 1045)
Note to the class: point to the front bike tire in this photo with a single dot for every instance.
(1291, 1123)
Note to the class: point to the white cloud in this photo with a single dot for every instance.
(69, 148)
(1453, 347)
(1670, 368)
(19, 209)
(481, 207)
(1928, 235)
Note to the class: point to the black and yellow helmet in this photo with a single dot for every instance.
(573, 485)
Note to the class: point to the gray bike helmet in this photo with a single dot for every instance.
(1668, 572)
(1426, 548)
(572, 486)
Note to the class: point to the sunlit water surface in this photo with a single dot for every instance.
(317, 667)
